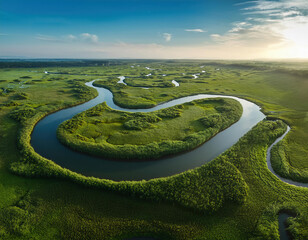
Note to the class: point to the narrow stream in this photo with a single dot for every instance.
(282, 218)
(269, 165)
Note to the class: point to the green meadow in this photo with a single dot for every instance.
(234, 196)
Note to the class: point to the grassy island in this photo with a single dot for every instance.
(105, 132)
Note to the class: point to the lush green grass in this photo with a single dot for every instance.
(52, 208)
(106, 132)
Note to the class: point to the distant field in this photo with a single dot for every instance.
(233, 197)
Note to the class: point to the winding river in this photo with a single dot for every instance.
(45, 142)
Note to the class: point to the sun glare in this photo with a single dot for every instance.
(297, 37)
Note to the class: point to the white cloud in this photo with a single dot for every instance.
(167, 37)
(70, 37)
(215, 37)
(264, 5)
(48, 38)
(89, 37)
(239, 26)
(195, 30)
(84, 37)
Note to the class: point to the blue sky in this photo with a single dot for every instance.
(153, 28)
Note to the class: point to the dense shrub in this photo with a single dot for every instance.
(211, 120)
(13, 221)
(81, 91)
(10, 90)
(22, 113)
(12, 104)
(21, 96)
(171, 112)
(136, 124)
(72, 125)
(147, 117)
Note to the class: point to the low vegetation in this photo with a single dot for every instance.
(233, 197)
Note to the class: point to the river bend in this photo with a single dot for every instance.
(44, 141)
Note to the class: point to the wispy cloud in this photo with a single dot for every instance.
(89, 37)
(48, 38)
(195, 30)
(3, 34)
(276, 27)
(282, 5)
(167, 37)
(83, 37)
(70, 37)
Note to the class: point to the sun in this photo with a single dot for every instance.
(296, 40)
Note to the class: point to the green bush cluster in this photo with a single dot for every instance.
(121, 228)
(139, 121)
(136, 124)
(14, 221)
(10, 90)
(12, 104)
(211, 120)
(81, 90)
(148, 117)
(21, 96)
(171, 112)
(167, 84)
(206, 188)
(72, 125)
(22, 113)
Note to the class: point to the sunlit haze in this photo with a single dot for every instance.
(200, 29)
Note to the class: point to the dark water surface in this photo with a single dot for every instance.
(45, 142)
(282, 218)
